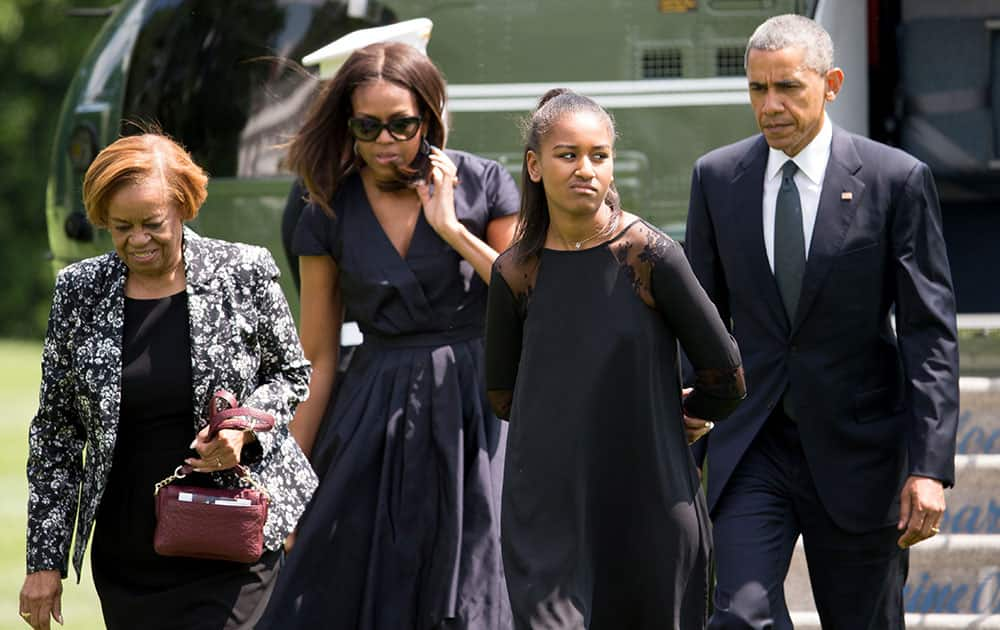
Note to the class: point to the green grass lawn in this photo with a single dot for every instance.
(980, 352)
(19, 375)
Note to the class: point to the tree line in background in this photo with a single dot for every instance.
(41, 45)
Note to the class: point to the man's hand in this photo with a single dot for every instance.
(921, 504)
(290, 542)
(695, 428)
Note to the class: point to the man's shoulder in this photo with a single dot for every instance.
(879, 155)
(889, 160)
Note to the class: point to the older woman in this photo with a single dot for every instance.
(138, 340)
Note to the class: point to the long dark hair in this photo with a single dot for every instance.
(322, 152)
(533, 219)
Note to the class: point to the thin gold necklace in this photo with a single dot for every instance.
(601, 230)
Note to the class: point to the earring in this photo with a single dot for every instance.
(425, 147)
(355, 147)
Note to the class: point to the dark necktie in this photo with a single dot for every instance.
(789, 254)
(789, 243)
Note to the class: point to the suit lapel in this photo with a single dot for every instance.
(748, 188)
(835, 214)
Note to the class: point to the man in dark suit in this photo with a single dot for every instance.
(810, 239)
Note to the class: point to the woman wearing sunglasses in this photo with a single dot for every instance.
(399, 235)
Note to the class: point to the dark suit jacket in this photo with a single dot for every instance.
(243, 339)
(873, 405)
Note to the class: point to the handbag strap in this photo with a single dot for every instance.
(231, 417)
(234, 416)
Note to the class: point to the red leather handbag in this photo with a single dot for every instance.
(214, 523)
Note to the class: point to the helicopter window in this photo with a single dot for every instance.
(662, 63)
(223, 78)
(729, 61)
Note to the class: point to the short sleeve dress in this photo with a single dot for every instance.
(403, 531)
(605, 526)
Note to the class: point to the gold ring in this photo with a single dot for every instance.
(26, 615)
(935, 530)
(218, 463)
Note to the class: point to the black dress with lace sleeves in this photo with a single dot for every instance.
(604, 525)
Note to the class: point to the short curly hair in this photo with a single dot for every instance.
(140, 158)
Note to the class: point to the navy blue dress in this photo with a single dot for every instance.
(404, 529)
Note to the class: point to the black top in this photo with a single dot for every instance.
(153, 435)
(156, 373)
(138, 587)
(602, 513)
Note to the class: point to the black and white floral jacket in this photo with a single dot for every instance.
(243, 339)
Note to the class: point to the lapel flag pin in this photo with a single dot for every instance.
(846, 195)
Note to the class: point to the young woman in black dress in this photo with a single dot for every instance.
(400, 236)
(604, 522)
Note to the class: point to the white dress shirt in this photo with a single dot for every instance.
(812, 161)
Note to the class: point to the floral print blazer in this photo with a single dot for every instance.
(243, 339)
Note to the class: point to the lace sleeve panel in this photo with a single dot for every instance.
(511, 286)
(519, 276)
(636, 250)
(662, 278)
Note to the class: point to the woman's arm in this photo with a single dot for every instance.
(693, 318)
(56, 440)
(321, 315)
(503, 345)
(480, 254)
(439, 209)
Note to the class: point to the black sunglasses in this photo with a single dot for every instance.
(368, 129)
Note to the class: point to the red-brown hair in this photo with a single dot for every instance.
(140, 158)
(322, 152)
